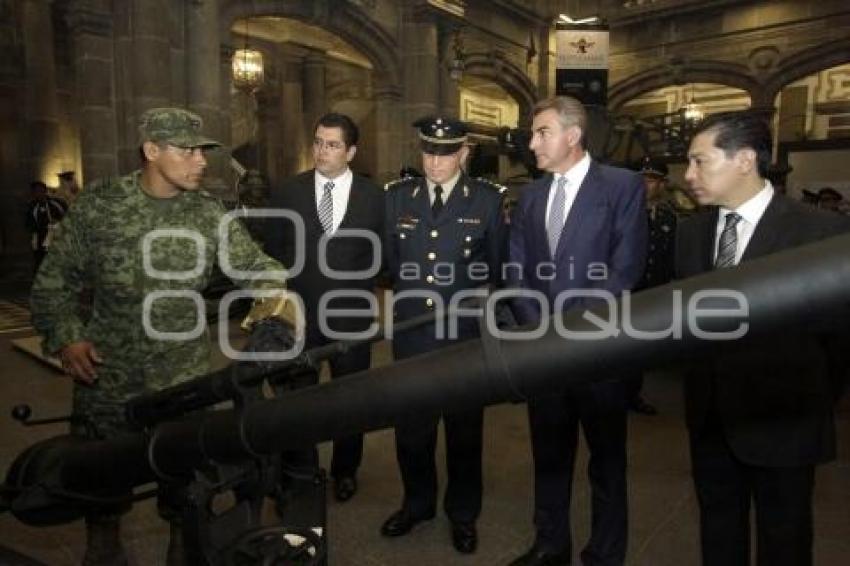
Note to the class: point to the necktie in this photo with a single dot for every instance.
(438, 201)
(326, 208)
(555, 223)
(728, 245)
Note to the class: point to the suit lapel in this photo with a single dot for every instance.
(352, 209)
(705, 245)
(583, 205)
(538, 210)
(765, 238)
(307, 194)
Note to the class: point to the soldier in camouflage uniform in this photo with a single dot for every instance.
(109, 244)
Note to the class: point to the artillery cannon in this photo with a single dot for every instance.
(232, 450)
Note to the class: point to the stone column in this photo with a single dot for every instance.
(547, 61)
(315, 95)
(151, 79)
(90, 23)
(420, 61)
(203, 86)
(269, 141)
(390, 132)
(449, 87)
(225, 74)
(41, 156)
(294, 132)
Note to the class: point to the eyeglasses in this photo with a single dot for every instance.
(320, 144)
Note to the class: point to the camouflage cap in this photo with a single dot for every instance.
(175, 126)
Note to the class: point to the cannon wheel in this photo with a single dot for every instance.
(277, 546)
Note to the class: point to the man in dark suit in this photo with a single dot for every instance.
(331, 200)
(759, 411)
(445, 235)
(582, 226)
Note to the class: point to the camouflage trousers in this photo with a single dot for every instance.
(98, 409)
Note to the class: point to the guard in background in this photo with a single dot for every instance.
(662, 218)
(442, 232)
(43, 214)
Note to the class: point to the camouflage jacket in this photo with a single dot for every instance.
(108, 244)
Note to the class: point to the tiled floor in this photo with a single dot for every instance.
(663, 520)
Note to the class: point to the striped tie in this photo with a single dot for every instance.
(326, 208)
(728, 245)
(555, 224)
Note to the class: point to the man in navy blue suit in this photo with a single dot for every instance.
(580, 227)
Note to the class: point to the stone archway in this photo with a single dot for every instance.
(502, 72)
(717, 72)
(345, 19)
(803, 64)
(360, 31)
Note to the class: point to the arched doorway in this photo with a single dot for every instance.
(350, 42)
(308, 72)
(812, 125)
(659, 122)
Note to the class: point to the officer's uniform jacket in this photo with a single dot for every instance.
(460, 249)
(662, 220)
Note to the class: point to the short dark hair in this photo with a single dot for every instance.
(743, 129)
(350, 133)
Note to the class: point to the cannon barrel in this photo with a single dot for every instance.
(802, 287)
(806, 287)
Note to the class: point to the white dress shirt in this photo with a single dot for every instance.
(339, 194)
(575, 177)
(750, 213)
(447, 188)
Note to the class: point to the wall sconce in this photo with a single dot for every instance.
(691, 110)
(457, 64)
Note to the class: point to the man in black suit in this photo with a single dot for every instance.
(332, 202)
(445, 235)
(587, 222)
(759, 410)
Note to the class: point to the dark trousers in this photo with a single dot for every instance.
(725, 486)
(600, 409)
(348, 450)
(416, 442)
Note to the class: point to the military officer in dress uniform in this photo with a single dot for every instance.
(445, 234)
(661, 216)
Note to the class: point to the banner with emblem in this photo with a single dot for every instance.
(582, 63)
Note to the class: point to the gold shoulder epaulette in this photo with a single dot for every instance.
(492, 185)
(395, 183)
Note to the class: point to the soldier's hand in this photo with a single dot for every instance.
(79, 360)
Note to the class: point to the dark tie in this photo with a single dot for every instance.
(438, 201)
(555, 223)
(728, 245)
(326, 208)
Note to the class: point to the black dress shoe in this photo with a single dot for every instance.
(639, 405)
(401, 522)
(537, 556)
(345, 487)
(464, 537)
